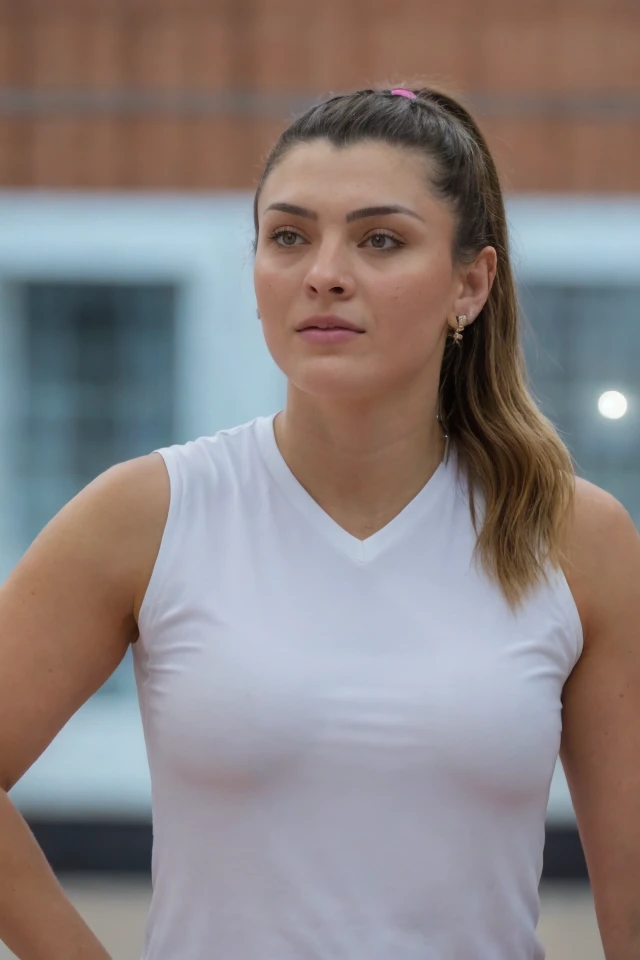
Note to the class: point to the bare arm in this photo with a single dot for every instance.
(601, 716)
(67, 616)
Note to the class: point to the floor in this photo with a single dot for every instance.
(116, 911)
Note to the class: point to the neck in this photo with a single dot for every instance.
(364, 463)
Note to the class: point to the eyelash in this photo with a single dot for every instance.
(377, 233)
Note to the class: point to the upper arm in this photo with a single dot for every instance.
(601, 712)
(67, 609)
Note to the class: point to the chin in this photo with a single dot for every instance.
(335, 377)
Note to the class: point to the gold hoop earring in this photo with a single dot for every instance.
(462, 322)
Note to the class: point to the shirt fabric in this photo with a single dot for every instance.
(351, 743)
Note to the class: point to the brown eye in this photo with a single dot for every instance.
(286, 238)
(383, 241)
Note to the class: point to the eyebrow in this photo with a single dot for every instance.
(381, 211)
(360, 214)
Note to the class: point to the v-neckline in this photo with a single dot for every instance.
(360, 551)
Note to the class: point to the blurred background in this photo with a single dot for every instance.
(131, 135)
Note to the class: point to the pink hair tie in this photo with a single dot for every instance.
(400, 92)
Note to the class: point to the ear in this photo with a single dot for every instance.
(476, 280)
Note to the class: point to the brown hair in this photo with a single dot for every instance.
(510, 453)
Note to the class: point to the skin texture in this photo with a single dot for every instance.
(359, 428)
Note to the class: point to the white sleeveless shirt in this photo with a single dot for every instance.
(351, 743)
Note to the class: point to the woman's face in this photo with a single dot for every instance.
(354, 234)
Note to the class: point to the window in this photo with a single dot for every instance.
(581, 342)
(98, 377)
(98, 366)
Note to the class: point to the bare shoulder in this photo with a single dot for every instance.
(141, 483)
(68, 608)
(599, 519)
(110, 530)
(126, 509)
(130, 499)
(129, 504)
(602, 553)
(601, 710)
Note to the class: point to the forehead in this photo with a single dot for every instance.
(318, 174)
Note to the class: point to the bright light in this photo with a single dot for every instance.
(612, 405)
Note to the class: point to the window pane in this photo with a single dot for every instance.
(99, 368)
(581, 342)
(100, 374)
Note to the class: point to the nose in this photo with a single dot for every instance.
(330, 273)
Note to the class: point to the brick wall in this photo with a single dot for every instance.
(189, 94)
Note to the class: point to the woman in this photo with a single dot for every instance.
(362, 629)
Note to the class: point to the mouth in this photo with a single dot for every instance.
(328, 323)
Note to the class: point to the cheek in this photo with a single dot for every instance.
(415, 308)
(267, 285)
(422, 284)
(273, 299)
(275, 274)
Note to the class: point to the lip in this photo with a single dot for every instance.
(329, 336)
(329, 322)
